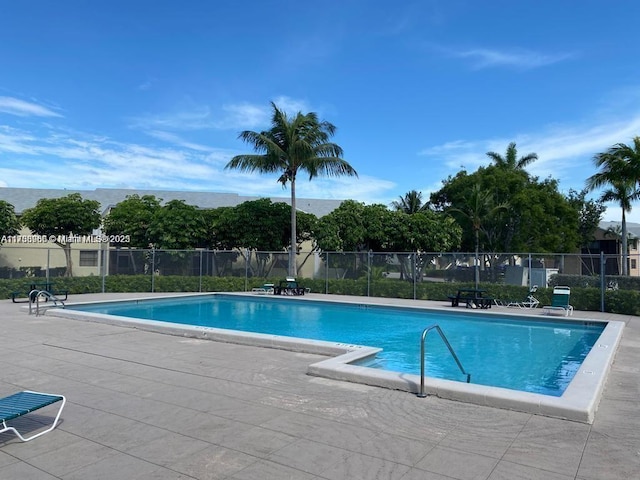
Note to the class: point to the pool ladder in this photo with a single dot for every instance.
(34, 297)
(437, 328)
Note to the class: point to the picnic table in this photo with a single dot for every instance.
(472, 298)
(289, 287)
(37, 286)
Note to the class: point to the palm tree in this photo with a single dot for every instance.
(510, 160)
(620, 172)
(480, 206)
(410, 203)
(615, 231)
(299, 143)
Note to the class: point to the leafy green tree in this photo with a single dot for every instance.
(260, 227)
(344, 229)
(410, 203)
(511, 160)
(63, 218)
(218, 239)
(549, 222)
(132, 217)
(290, 146)
(589, 216)
(9, 223)
(356, 227)
(589, 213)
(421, 233)
(177, 226)
(257, 227)
(479, 208)
(615, 232)
(350, 228)
(538, 218)
(619, 174)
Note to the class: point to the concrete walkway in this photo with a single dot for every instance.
(143, 405)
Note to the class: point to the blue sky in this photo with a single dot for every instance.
(153, 94)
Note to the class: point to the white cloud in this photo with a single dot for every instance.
(146, 85)
(232, 116)
(516, 58)
(559, 147)
(181, 142)
(243, 115)
(21, 108)
(198, 118)
(291, 106)
(565, 152)
(73, 161)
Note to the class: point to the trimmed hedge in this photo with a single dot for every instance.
(584, 295)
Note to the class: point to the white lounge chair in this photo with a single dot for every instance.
(265, 289)
(529, 302)
(559, 302)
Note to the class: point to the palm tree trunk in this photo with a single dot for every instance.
(625, 250)
(293, 271)
(476, 269)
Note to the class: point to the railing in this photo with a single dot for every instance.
(34, 297)
(421, 394)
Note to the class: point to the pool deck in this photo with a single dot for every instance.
(143, 405)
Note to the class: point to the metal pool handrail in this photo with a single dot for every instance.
(34, 297)
(453, 354)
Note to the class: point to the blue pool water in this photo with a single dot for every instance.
(530, 355)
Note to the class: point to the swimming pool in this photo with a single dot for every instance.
(352, 358)
(540, 356)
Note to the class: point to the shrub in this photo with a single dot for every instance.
(585, 291)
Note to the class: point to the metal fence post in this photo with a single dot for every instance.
(603, 280)
(369, 253)
(200, 281)
(48, 258)
(246, 271)
(153, 269)
(326, 274)
(415, 275)
(103, 270)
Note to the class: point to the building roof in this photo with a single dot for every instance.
(633, 229)
(23, 198)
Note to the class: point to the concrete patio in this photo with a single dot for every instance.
(144, 405)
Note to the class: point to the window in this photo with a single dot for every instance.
(634, 263)
(88, 258)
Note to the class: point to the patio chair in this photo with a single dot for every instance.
(559, 302)
(264, 289)
(529, 302)
(24, 402)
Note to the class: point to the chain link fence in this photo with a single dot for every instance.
(417, 275)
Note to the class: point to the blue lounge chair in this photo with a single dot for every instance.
(21, 403)
(560, 302)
